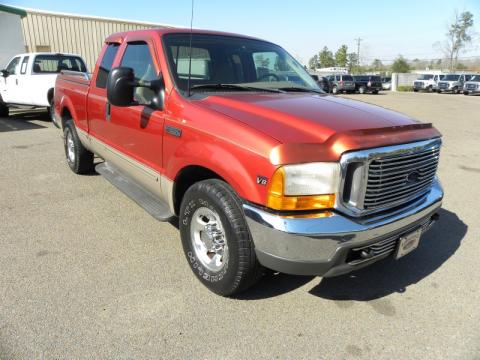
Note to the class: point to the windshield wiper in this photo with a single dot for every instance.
(299, 89)
(233, 87)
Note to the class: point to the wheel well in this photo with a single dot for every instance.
(50, 95)
(65, 116)
(186, 178)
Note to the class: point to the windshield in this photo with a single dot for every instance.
(451, 77)
(426, 77)
(475, 78)
(56, 63)
(218, 59)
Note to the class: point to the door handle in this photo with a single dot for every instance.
(16, 81)
(107, 112)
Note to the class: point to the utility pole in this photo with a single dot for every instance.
(358, 40)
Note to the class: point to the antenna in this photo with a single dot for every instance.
(190, 54)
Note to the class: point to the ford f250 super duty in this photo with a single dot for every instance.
(231, 136)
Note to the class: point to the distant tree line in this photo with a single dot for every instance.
(459, 37)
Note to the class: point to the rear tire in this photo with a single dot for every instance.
(4, 111)
(79, 159)
(375, 92)
(216, 239)
(361, 90)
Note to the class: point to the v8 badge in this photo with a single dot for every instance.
(262, 180)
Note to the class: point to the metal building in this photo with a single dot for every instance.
(29, 30)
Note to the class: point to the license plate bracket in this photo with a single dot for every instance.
(408, 242)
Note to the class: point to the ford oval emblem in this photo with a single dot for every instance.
(413, 177)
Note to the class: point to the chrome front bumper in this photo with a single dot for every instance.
(322, 246)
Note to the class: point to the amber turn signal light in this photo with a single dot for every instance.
(279, 201)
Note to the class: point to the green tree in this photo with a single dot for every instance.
(325, 58)
(400, 65)
(459, 35)
(352, 61)
(313, 62)
(341, 56)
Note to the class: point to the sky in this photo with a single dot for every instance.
(303, 27)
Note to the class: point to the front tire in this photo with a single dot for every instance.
(334, 90)
(79, 159)
(216, 239)
(361, 90)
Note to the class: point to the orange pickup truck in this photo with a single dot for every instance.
(231, 136)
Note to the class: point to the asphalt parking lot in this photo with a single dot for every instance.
(86, 273)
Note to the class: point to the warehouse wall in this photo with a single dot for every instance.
(72, 34)
(11, 42)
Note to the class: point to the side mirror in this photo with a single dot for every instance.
(5, 73)
(120, 86)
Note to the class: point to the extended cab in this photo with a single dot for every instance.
(29, 79)
(261, 171)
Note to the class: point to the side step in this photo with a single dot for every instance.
(150, 203)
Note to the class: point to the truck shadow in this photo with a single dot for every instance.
(380, 279)
(23, 121)
(390, 276)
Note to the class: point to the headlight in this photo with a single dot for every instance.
(304, 186)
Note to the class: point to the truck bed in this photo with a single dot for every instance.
(73, 87)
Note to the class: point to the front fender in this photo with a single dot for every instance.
(237, 166)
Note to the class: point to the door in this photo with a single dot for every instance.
(137, 131)
(10, 89)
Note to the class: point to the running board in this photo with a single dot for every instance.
(151, 204)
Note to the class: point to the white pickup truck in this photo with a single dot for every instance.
(28, 81)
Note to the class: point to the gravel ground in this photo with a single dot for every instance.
(85, 273)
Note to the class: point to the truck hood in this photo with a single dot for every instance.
(304, 118)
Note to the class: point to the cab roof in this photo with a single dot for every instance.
(137, 34)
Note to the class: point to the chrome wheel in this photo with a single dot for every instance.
(208, 239)
(70, 147)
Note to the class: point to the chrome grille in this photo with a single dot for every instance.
(396, 179)
(471, 86)
(418, 84)
(443, 85)
(377, 179)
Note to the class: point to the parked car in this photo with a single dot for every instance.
(341, 83)
(452, 83)
(367, 84)
(258, 172)
(427, 82)
(386, 83)
(322, 82)
(29, 79)
(472, 86)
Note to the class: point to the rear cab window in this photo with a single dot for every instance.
(106, 65)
